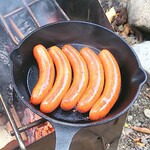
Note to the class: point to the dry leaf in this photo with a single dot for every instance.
(126, 125)
(137, 140)
(139, 129)
(110, 14)
(147, 94)
(126, 30)
(140, 144)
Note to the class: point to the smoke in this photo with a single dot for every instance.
(9, 5)
(45, 11)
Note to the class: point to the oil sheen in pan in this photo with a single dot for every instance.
(69, 116)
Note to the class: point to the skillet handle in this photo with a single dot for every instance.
(64, 135)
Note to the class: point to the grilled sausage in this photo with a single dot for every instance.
(80, 78)
(96, 80)
(46, 74)
(112, 86)
(62, 82)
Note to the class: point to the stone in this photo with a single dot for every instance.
(120, 28)
(147, 113)
(139, 124)
(144, 140)
(127, 131)
(139, 13)
(129, 118)
(143, 52)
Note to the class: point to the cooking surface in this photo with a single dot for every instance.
(18, 21)
(59, 114)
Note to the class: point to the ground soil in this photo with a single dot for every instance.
(133, 140)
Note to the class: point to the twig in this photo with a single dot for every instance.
(139, 129)
(147, 95)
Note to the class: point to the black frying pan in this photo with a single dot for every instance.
(79, 34)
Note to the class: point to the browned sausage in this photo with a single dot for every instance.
(80, 78)
(112, 86)
(62, 82)
(46, 74)
(96, 80)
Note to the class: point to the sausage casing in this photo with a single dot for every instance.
(80, 78)
(46, 74)
(62, 81)
(111, 89)
(96, 80)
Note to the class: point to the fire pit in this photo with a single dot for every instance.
(20, 20)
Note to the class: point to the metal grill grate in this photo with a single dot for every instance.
(12, 28)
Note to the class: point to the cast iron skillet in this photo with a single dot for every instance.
(79, 34)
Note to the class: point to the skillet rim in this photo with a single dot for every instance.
(55, 121)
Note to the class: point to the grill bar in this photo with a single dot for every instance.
(31, 125)
(61, 11)
(27, 7)
(14, 26)
(20, 9)
(8, 30)
(13, 124)
(31, 13)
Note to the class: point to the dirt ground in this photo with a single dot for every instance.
(131, 139)
(137, 118)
